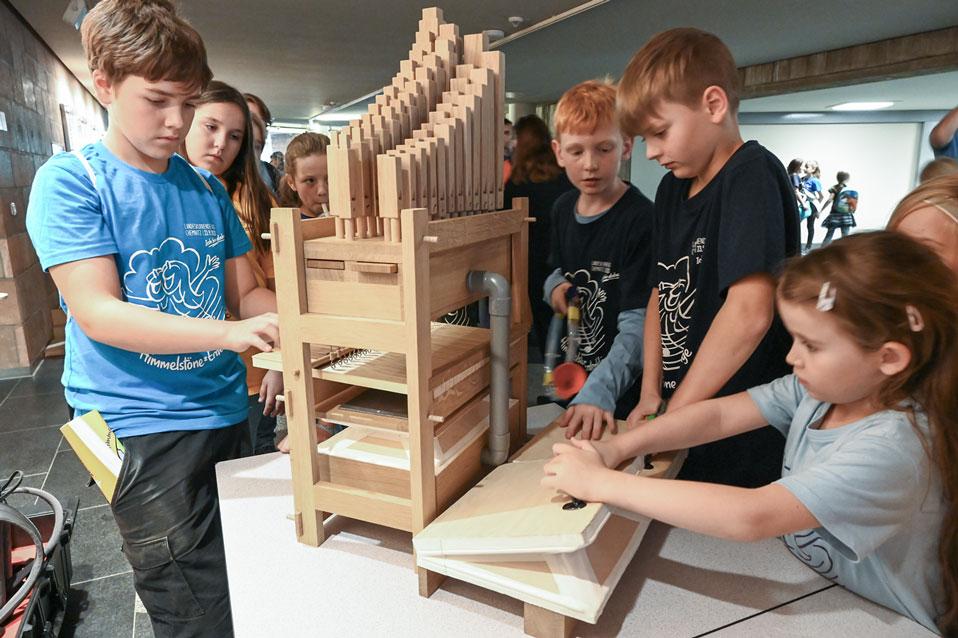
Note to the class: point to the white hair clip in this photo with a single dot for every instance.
(826, 298)
(915, 321)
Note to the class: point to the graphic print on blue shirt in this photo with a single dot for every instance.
(170, 236)
(810, 548)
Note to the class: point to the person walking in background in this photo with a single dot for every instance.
(815, 194)
(844, 203)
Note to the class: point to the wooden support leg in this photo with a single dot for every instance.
(395, 228)
(429, 581)
(542, 623)
(350, 229)
(340, 228)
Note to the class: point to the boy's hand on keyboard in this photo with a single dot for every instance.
(259, 332)
(589, 419)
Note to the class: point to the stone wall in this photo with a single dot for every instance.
(33, 85)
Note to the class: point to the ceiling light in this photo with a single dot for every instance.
(495, 34)
(861, 106)
(801, 116)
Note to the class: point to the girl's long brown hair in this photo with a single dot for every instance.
(303, 145)
(876, 277)
(533, 159)
(242, 178)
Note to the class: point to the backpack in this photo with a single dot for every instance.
(846, 202)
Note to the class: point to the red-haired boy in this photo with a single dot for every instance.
(600, 245)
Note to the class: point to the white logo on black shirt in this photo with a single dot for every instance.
(676, 300)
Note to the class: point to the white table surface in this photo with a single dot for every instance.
(361, 582)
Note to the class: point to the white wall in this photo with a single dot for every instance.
(882, 159)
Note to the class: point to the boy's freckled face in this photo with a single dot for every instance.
(311, 183)
(592, 160)
(151, 118)
(936, 230)
(676, 137)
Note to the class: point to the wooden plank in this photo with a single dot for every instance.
(496, 62)
(462, 232)
(905, 56)
(447, 280)
(373, 267)
(474, 45)
(391, 186)
(326, 264)
(374, 249)
(365, 505)
(353, 332)
(291, 301)
(415, 264)
(354, 299)
(542, 623)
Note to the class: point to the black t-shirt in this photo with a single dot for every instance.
(607, 260)
(542, 197)
(744, 221)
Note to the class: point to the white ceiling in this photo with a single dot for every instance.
(300, 54)
(923, 93)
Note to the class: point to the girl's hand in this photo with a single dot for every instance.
(647, 406)
(271, 386)
(588, 418)
(609, 452)
(259, 332)
(575, 469)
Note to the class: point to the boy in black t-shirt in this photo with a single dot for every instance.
(600, 245)
(725, 219)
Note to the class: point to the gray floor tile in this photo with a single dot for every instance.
(68, 478)
(142, 628)
(101, 609)
(27, 504)
(95, 549)
(29, 451)
(7, 386)
(31, 411)
(46, 380)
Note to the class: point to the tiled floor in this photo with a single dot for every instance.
(102, 598)
(103, 601)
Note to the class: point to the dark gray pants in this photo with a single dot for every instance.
(167, 509)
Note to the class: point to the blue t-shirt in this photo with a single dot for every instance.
(948, 150)
(875, 492)
(170, 235)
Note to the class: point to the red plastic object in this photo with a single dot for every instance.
(568, 378)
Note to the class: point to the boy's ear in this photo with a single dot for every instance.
(557, 149)
(715, 102)
(104, 87)
(627, 144)
(894, 357)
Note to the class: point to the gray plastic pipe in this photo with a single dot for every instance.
(497, 289)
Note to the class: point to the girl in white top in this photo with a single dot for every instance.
(869, 489)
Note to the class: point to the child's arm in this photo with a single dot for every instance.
(733, 513)
(651, 392)
(944, 131)
(736, 331)
(594, 406)
(580, 470)
(91, 288)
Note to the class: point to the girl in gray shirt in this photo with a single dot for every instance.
(869, 490)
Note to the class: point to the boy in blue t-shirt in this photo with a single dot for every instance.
(148, 255)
